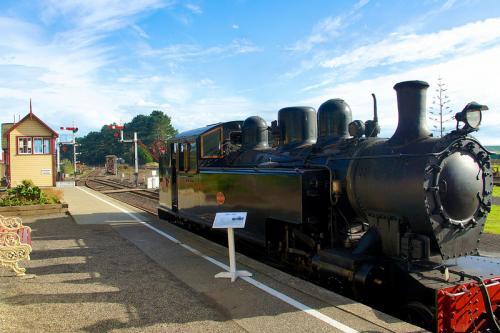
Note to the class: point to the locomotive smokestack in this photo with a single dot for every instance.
(412, 124)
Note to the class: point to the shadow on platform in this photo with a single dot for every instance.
(82, 269)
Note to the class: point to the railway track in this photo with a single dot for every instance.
(126, 188)
(140, 198)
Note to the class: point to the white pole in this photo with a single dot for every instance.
(232, 254)
(74, 154)
(233, 274)
(136, 160)
(58, 153)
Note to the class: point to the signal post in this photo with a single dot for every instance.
(134, 141)
(73, 130)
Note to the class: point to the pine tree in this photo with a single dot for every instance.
(440, 111)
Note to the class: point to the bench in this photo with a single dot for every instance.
(15, 243)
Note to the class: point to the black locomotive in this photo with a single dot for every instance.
(396, 218)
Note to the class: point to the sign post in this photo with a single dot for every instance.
(230, 221)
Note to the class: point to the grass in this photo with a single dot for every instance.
(496, 191)
(493, 223)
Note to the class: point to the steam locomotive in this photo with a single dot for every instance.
(397, 219)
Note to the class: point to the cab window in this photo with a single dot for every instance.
(211, 144)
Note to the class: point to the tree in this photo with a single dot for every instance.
(440, 111)
(156, 126)
(144, 155)
(67, 166)
(96, 145)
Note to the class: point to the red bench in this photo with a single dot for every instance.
(15, 224)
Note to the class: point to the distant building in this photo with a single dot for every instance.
(29, 151)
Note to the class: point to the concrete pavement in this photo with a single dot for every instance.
(270, 301)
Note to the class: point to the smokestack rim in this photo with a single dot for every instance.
(414, 84)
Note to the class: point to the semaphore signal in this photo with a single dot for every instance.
(116, 127)
(72, 129)
(134, 141)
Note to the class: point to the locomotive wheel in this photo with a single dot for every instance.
(418, 314)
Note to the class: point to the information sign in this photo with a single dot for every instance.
(230, 220)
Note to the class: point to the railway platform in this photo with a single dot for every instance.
(155, 276)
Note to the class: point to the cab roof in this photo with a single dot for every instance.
(202, 130)
(196, 131)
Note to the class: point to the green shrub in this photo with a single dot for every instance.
(144, 155)
(67, 167)
(25, 194)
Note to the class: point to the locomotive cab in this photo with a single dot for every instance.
(185, 154)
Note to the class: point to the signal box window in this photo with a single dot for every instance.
(211, 144)
(24, 146)
(41, 146)
(46, 146)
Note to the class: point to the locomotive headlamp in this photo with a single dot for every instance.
(471, 115)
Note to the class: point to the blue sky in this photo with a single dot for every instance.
(96, 62)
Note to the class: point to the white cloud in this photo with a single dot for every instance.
(471, 77)
(63, 73)
(98, 14)
(92, 20)
(195, 9)
(235, 26)
(152, 105)
(416, 23)
(72, 76)
(458, 41)
(63, 79)
(327, 29)
(140, 31)
(188, 52)
(205, 111)
(322, 32)
(177, 94)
